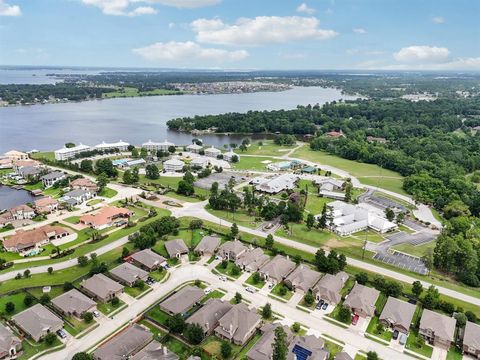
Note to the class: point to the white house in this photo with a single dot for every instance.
(200, 161)
(194, 148)
(121, 146)
(228, 156)
(154, 146)
(78, 195)
(275, 185)
(68, 153)
(212, 152)
(173, 165)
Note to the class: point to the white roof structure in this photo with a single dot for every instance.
(213, 150)
(77, 148)
(194, 147)
(277, 184)
(173, 163)
(118, 144)
(200, 161)
(153, 143)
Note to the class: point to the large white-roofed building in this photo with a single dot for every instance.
(173, 165)
(120, 145)
(154, 146)
(68, 153)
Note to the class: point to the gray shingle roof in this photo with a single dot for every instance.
(155, 351)
(7, 339)
(303, 277)
(363, 298)
(148, 258)
(329, 287)
(208, 244)
(471, 337)
(238, 322)
(209, 315)
(252, 259)
(128, 273)
(278, 268)
(176, 246)
(53, 175)
(263, 350)
(73, 301)
(398, 312)
(183, 299)
(36, 319)
(442, 325)
(101, 286)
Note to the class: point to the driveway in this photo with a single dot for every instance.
(439, 353)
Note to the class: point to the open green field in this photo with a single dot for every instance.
(253, 163)
(238, 217)
(368, 174)
(108, 192)
(172, 182)
(48, 155)
(132, 92)
(268, 148)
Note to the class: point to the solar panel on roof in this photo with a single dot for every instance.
(301, 352)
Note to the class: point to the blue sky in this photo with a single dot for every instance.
(243, 34)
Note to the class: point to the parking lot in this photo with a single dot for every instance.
(221, 178)
(402, 261)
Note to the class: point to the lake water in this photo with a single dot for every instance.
(10, 197)
(136, 120)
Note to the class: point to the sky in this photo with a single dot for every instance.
(243, 34)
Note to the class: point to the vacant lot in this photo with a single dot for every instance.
(267, 148)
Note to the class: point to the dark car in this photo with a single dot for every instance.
(325, 306)
(395, 334)
(319, 305)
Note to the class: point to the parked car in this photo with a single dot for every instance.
(403, 339)
(250, 289)
(320, 304)
(62, 334)
(96, 313)
(325, 306)
(270, 285)
(207, 291)
(223, 277)
(395, 334)
(355, 319)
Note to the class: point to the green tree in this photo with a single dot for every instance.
(194, 334)
(372, 355)
(115, 301)
(9, 307)
(127, 177)
(135, 153)
(309, 298)
(310, 221)
(238, 298)
(345, 315)
(87, 317)
(269, 242)
(234, 231)
(86, 165)
(82, 261)
(44, 299)
(280, 345)
(102, 182)
(50, 338)
(226, 350)
(28, 300)
(82, 356)
(185, 188)
(135, 175)
(389, 214)
(69, 145)
(296, 327)
(348, 191)
(152, 172)
(26, 273)
(50, 270)
(256, 278)
(125, 252)
(267, 311)
(176, 324)
(417, 288)
(361, 278)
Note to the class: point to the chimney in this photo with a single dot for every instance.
(206, 325)
(165, 350)
(231, 329)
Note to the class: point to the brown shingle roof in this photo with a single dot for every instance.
(23, 239)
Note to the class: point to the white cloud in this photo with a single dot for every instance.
(173, 52)
(9, 10)
(171, 25)
(422, 54)
(260, 30)
(438, 20)
(304, 8)
(142, 10)
(359, 31)
(189, 4)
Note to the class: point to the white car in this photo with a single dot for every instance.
(250, 289)
(223, 278)
(96, 313)
(207, 291)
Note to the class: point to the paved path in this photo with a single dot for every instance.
(191, 272)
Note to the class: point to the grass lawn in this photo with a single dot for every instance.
(48, 155)
(315, 204)
(372, 329)
(268, 148)
(31, 348)
(419, 250)
(215, 294)
(155, 330)
(304, 304)
(253, 163)
(17, 300)
(135, 291)
(300, 233)
(239, 217)
(133, 92)
(276, 291)
(243, 353)
(73, 219)
(454, 353)
(332, 348)
(158, 315)
(157, 275)
(211, 345)
(228, 270)
(368, 174)
(259, 285)
(359, 357)
(107, 308)
(176, 346)
(172, 182)
(94, 202)
(417, 344)
(54, 292)
(370, 235)
(75, 326)
(108, 192)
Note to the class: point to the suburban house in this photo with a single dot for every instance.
(120, 146)
(182, 300)
(252, 260)
(148, 260)
(229, 156)
(154, 351)
(23, 241)
(84, 184)
(154, 146)
(125, 344)
(331, 188)
(77, 196)
(15, 155)
(210, 314)
(106, 217)
(173, 165)
(74, 303)
(20, 212)
(263, 350)
(176, 248)
(437, 329)
(361, 300)
(285, 165)
(30, 172)
(207, 245)
(10, 344)
(329, 287)
(212, 152)
(51, 178)
(68, 153)
(302, 279)
(277, 269)
(20, 164)
(101, 287)
(397, 314)
(471, 339)
(348, 219)
(46, 205)
(37, 321)
(308, 344)
(277, 184)
(239, 324)
(5, 162)
(232, 250)
(128, 274)
(194, 148)
(200, 161)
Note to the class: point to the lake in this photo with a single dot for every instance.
(10, 197)
(136, 120)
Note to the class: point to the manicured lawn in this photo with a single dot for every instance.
(419, 250)
(368, 174)
(268, 147)
(48, 155)
(369, 235)
(228, 270)
(259, 285)
(172, 183)
(135, 291)
(215, 294)
(212, 345)
(107, 308)
(276, 291)
(300, 233)
(372, 329)
(31, 348)
(454, 354)
(332, 348)
(174, 345)
(73, 219)
(94, 202)
(17, 300)
(75, 326)
(157, 275)
(253, 163)
(242, 354)
(155, 330)
(360, 357)
(413, 344)
(54, 292)
(108, 192)
(315, 204)
(158, 315)
(304, 304)
(240, 217)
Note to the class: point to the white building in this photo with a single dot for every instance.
(68, 153)
(331, 188)
(154, 146)
(121, 146)
(228, 156)
(276, 184)
(347, 219)
(194, 148)
(51, 178)
(200, 161)
(173, 165)
(15, 155)
(212, 152)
